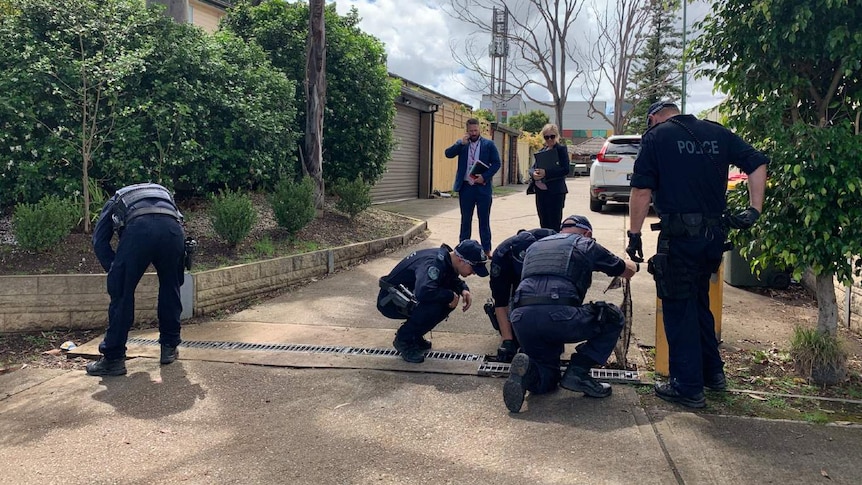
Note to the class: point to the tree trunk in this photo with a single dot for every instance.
(315, 92)
(827, 308)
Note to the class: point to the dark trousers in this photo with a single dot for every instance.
(549, 207)
(543, 330)
(424, 317)
(155, 239)
(470, 197)
(688, 322)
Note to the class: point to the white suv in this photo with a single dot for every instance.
(611, 172)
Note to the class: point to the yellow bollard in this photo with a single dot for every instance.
(716, 295)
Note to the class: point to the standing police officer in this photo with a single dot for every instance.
(506, 265)
(425, 287)
(149, 227)
(683, 163)
(549, 312)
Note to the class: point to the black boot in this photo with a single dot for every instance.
(410, 351)
(578, 379)
(521, 378)
(669, 393)
(423, 343)
(716, 383)
(507, 350)
(168, 354)
(107, 367)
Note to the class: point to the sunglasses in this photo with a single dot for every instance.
(550, 137)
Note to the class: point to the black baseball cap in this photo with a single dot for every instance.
(660, 105)
(471, 251)
(577, 221)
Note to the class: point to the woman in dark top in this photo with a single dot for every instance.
(550, 184)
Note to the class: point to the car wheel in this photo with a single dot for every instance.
(596, 205)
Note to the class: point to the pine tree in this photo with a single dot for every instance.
(657, 73)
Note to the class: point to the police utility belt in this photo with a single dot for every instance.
(690, 224)
(399, 296)
(544, 300)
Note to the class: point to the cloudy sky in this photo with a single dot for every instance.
(418, 35)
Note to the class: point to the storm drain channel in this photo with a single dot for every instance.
(486, 368)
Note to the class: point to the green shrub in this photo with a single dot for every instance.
(41, 225)
(354, 196)
(233, 216)
(293, 204)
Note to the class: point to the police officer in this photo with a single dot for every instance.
(549, 312)
(429, 278)
(506, 264)
(149, 227)
(682, 167)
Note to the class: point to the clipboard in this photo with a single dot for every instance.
(547, 160)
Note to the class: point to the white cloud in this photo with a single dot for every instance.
(418, 35)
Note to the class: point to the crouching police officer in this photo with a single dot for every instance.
(506, 265)
(149, 227)
(549, 312)
(683, 165)
(424, 288)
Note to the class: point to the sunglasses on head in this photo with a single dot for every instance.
(550, 137)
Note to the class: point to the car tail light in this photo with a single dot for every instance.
(607, 158)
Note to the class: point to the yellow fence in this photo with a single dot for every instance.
(449, 125)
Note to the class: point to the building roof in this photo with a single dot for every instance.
(589, 147)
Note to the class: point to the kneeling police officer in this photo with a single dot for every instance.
(549, 312)
(506, 265)
(424, 288)
(149, 227)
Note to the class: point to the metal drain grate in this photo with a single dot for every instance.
(486, 368)
(498, 369)
(311, 349)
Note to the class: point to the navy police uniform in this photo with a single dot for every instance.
(432, 281)
(684, 161)
(150, 231)
(508, 261)
(549, 310)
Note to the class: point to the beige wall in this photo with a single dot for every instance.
(205, 15)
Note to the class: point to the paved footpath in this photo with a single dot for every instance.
(212, 417)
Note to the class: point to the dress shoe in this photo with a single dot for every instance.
(716, 383)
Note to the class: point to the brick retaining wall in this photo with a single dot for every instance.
(46, 302)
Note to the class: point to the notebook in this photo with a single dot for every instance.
(547, 160)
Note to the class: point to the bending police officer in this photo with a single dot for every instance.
(424, 288)
(506, 265)
(682, 167)
(549, 312)
(149, 230)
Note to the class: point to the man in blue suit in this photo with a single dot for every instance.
(474, 183)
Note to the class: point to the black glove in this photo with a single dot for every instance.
(744, 219)
(635, 249)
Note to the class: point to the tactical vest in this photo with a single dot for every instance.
(550, 257)
(125, 208)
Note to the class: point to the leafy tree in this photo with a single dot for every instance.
(656, 74)
(791, 69)
(533, 121)
(118, 93)
(485, 114)
(315, 98)
(360, 109)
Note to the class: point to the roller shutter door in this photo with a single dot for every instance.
(401, 180)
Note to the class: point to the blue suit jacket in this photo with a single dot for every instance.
(487, 153)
